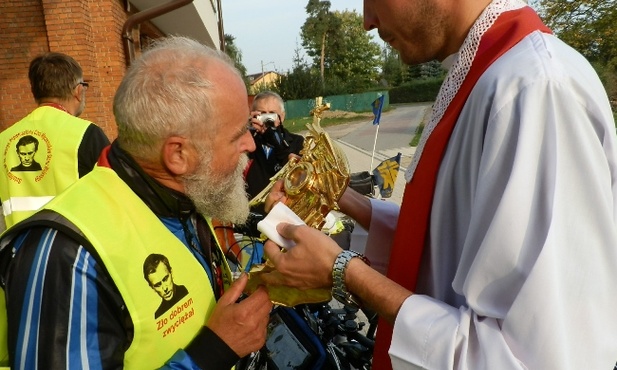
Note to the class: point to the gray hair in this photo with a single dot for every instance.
(269, 94)
(166, 93)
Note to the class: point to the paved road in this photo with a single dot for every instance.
(396, 129)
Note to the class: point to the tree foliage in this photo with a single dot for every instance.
(353, 57)
(236, 55)
(589, 26)
(319, 26)
(301, 83)
(392, 68)
(344, 54)
(395, 73)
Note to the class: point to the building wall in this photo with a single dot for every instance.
(263, 80)
(88, 30)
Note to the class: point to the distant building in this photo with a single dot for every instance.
(260, 81)
(104, 36)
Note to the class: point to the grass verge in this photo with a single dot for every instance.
(296, 125)
(415, 140)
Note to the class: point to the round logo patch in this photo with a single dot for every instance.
(27, 152)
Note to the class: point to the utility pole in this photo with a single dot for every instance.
(263, 73)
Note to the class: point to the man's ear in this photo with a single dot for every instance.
(176, 155)
(77, 92)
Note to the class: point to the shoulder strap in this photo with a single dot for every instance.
(45, 218)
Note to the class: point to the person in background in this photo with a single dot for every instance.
(67, 147)
(502, 254)
(73, 273)
(274, 143)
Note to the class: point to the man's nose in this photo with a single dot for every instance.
(248, 144)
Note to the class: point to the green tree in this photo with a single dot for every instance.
(303, 82)
(414, 72)
(348, 59)
(392, 69)
(431, 69)
(589, 26)
(318, 27)
(353, 58)
(236, 55)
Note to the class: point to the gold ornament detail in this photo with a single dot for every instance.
(313, 183)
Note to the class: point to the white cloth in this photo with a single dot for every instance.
(279, 213)
(521, 270)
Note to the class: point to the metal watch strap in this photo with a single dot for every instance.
(339, 289)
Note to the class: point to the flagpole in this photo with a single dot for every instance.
(377, 107)
(374, 146)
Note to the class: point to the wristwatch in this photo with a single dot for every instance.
(339, 290)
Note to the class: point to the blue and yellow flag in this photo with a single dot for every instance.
(377, 106)
(385, 175)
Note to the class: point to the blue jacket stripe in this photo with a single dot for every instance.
(28, 332)
(82, 350)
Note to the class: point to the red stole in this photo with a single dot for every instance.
(412, 229)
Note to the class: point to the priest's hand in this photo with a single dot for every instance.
(277, 194)
(308, 264)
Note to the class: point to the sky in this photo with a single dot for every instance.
(268, 31)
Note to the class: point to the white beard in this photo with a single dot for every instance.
(221, 197)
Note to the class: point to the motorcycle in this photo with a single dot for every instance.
(327, 335)
(315, 337)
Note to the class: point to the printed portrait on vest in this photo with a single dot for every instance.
(26, 147)
(158, 274)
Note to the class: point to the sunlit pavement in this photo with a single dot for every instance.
(365, 148)
(396, 130)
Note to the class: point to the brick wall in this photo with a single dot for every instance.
(88, 30)
(22, 36)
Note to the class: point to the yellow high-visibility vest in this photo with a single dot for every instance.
(124, 232)
(34, 173)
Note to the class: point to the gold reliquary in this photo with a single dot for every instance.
(314, 183)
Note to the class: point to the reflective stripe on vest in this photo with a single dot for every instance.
(24, 204)
(44, 167)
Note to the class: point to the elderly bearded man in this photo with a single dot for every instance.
(74, 273)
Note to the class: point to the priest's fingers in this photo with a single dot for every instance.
(309, 262)
(277, 194)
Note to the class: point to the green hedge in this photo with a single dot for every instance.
(349, 103)
(416, 91)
